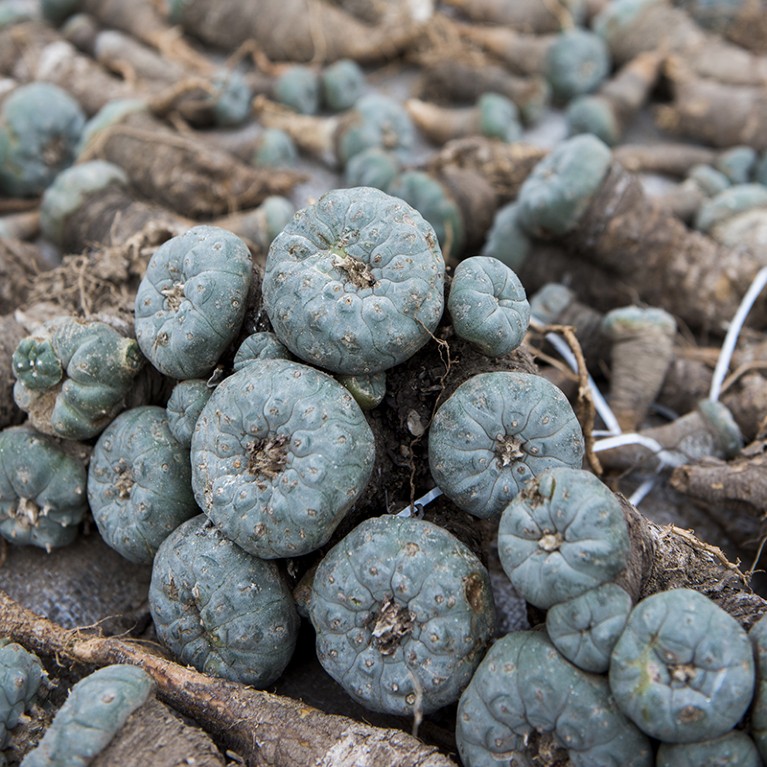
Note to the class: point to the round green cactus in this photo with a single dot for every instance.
(69, 191)
(139, 483)
(191, 301)
(231, 96)
(280, 453)
(557, 192)
(506, 240)
(375, 120)
(372, 167)
(593, 114)
(298, 87)
(73, 376)
(497, 431)
(219, 609)
(524, 688)
(734, 748)
(433, 201)
(585, 628)
(488, 305)
(342, 84)
(403, 612)
(183, 408)
(40, 127)
(94, 712)
(737, 163)
(21, 673)
(499, 117)
(275, 149)
(42, 489)
(564, 534)
(354, 283)
(576, 63)
(683, 668)
(262, 345)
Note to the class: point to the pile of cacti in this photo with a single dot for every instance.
(380, 384)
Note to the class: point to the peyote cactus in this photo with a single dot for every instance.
(298, 86)
(191, 302)
(262, 345)
(758, 636)
(525, 696)
(95, 710)
(279, 454)
(403, 612)
(219, 609)
(21, 673)
(354, 283)
(555, 195)
(585, 628)
(564, 534)
(683, 668)
(186, 401)
(42, 489)
(40, 127)
(73, 376)
(139, 483)
(488, 305)
(342, 84)
(367, 390)
(576, 63)
(495, 432)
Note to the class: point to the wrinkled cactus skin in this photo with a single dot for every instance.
(585, 628)
(72, 376)
(94, 712)
(191, 302)
(564, 534)
(139, 483)
(683, 668)
(497, 431)
(42, 489)
(403, 612)
(734, 748)
(354, 283)
(20, 676)
(758, 637)
(219, 609)
(186, 401)
(524, 686)
(488, 305)
(279, 454)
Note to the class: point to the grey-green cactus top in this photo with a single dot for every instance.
(354, 283)
(21, 673)
(191, 302)
(279, 454)
(403, 612)
(495, 432)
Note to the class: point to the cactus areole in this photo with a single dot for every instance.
(354, 283)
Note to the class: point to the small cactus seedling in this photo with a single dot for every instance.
(219, 609)
(354, 283)
(758, 636)
(191, 302)
(279, 454)
(298, 87)
(95, 710)
(403, 612)
(563, 535)
(139, 483)
(262, 345)
(73, 376)
(488, 305)
(186, 401)
(40, 127)
(526, 703)
(497, 431)
(683, 668)
(585, 628)
(342, 83)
